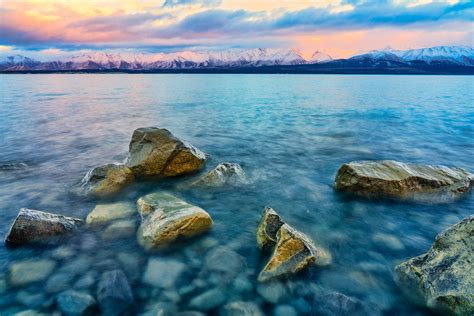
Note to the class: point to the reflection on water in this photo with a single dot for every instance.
(290, 134)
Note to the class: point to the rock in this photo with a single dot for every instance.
(62, 252)
(29, 271)
(443, 278)
(161, 309)
(190, 313)
(106, 180)
(30, 299)
(13, 166)
(224, 174)
(208, 300)
(272, 292)
(156, 152)
(337, 304)
(106, 213)
(166, 218)
(78, 265)
(268, 228)
(394, 179)
(114, 293)
(225, 262)
(59, 282)
(75, 303)
(119, 229)
(285, 310)
(388, 241)
(163, 273)
(240, 308)
(131, 263)
(86, 281)
(37, 226)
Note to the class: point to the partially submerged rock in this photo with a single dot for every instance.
(109, 212)
(106, 180)
(114, 293)
(443, 278)
(394, 179)
(224, 174)
(292, 250)
(165, 219)
(37, 226)
(156, 152)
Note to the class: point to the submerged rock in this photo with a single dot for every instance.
(163, 273)
(329, 303)
(165, 219)
(240, 308)
(443, 278)
(30, 271)
(37, 226)
(119, 229)
(394, 179)
(292, 250)
(156, 152)
(75, 303)
(106, 180)
(106, 213)
(114, 293)
(224, 174)
(208, 300)
(225, 263)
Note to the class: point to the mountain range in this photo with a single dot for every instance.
(445, 57)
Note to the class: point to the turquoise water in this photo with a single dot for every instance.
(290, 133)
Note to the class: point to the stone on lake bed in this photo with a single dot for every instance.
(165, 219)
(388, 178)
(119, 229)
(106, 180)
(208, 300)
(163, 273)
(224, 174)
(225, 262)
(241, 308)
(38, 226)
(106, 213)
(157, 152)
(75, 303)
(30, 271)
(443, 278)
(114, 293)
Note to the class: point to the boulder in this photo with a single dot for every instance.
(75, 303)
(292, 250)
(29, 271)
(165, 219)
(224, 174)
(107, 213)
(37, 226)
(114, 293)
(156, 152)
(106, 180)
(443, 278)
(394, 179)
(268, 228)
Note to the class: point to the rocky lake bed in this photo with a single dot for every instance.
(182, 226)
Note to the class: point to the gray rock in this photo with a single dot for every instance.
(163, 273)
(107, 213)
(106, 180)
(272, 292)
(166, 219)
(224, 174)
(240, 308)
(443, 278)
(114, 293)
(75, 303)
(208, 300)
(337, 304)
(285, 310)
(225, 262)
(119, 229)
(394, 179)
(37, 226)
(30, 271)
(157, 152)
(59, 282)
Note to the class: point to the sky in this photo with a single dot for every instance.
(338, 27)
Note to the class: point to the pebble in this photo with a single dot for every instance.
(163, 273)
(208, 300)
(86, 281)
(272, 292)
(119, 229)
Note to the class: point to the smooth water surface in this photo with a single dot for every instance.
(290, 133)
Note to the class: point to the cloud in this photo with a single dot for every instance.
(118, 22)
(204, 3)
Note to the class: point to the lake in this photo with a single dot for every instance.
(290, 133)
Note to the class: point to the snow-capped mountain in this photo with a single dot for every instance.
(239, 58)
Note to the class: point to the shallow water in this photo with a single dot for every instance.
(290, 133)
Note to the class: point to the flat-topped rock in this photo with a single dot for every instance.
(106, 180)
(157, 152)
(388, 178)
(165, 219)
(443, 278)
(109, 212)
(38, 226)
(224, 174)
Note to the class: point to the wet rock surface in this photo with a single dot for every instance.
(224, 174)
(165, 219)
(443, 278)
(268, 228)
(38, 226)
(156, 152)
(106, 180)
(388, 178)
